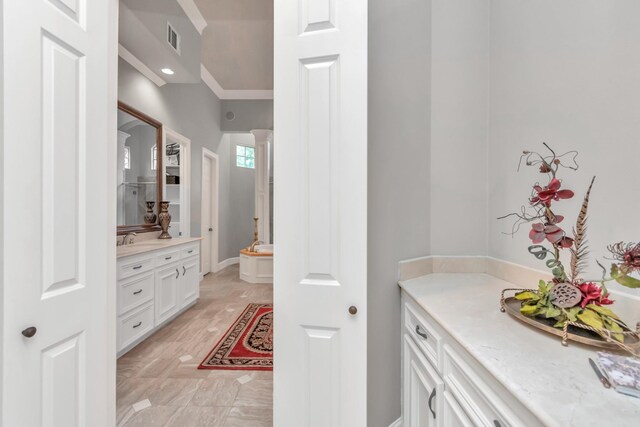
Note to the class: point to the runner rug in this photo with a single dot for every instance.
(248, 344)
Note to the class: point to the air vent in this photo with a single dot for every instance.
(173, 38)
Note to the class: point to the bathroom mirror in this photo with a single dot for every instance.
(139, 171)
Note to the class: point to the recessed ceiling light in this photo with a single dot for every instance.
(168, 71)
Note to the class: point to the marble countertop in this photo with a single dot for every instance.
(554, 382)
(151, 245)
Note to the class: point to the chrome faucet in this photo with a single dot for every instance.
(128, 239)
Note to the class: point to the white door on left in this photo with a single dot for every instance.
(58, 212)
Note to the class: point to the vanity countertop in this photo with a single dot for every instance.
(554, 382)
(151, 245)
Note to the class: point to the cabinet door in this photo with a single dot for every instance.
(423, 389)
(453, 415)
(189, 281)
(166, 295)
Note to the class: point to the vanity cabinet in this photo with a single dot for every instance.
(153, 288)
(443, 386)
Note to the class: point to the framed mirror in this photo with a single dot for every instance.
(139, 171)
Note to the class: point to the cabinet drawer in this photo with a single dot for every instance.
(135, 291)
(167, 258)
(134, 325)
(190, 251)
(129, 268)
(422, 332)
(476, 397)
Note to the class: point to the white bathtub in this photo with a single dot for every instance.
(257, 267)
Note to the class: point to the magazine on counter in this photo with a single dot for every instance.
(623, 372)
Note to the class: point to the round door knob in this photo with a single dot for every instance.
(210, 229)
(29, 332)
(353, 310)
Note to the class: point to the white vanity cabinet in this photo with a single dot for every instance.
(154, 286)
(443, 386)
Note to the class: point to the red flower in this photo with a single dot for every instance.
(551, 232)
(628, 254)
(592, 294)
(550, 192)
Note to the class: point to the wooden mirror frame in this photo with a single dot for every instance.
(146, 228)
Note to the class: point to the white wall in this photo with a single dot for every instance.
(568, 73)
(459, 126)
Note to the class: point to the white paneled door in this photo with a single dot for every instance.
(320, 234)
(58, 212)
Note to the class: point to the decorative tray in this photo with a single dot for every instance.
(512, 307)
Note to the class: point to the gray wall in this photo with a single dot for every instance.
(190, 109)
(249, 114)
(237, 197)
(399, 176)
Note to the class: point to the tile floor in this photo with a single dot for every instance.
(179, 393)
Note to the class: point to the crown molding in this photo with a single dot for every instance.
(224, 94)
(194, 15)
(139, 65)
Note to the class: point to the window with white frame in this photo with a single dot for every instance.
(154, 157)
(245, 157)
(127, 157)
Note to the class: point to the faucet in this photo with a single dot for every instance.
(129, 238)
(252, 248)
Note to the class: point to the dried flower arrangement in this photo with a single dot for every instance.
(569, 298)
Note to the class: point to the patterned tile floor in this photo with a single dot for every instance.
(179, 393)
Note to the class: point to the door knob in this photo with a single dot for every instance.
(210, 229)
(353, 310)
(29, 332)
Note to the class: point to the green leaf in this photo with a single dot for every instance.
(552, 312)
(560, 324)
(614, 327)
(591, 318)
(602, 310)
(529, 310)
(572, 313)
(623, 278)
(527, 295)
(544, 287)
(558, 272)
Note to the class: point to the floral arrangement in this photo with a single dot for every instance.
(569, 298)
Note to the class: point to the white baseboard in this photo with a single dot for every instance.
(397, 423)
(227, 262)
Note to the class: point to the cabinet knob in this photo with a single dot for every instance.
(210, 229)
(30, 331)
(353, 310)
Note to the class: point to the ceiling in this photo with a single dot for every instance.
(237, 44)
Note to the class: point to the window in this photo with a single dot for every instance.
(154, 157)
(245, 157)
(127, 157)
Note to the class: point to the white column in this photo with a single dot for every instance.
(122, 139)
(263, 138)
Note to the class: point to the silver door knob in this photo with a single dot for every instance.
(353, 310)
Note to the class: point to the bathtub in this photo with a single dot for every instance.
(257, 267)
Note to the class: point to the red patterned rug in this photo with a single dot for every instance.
(248, 344)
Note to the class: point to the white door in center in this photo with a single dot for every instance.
(58, 212)
(320, 270)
